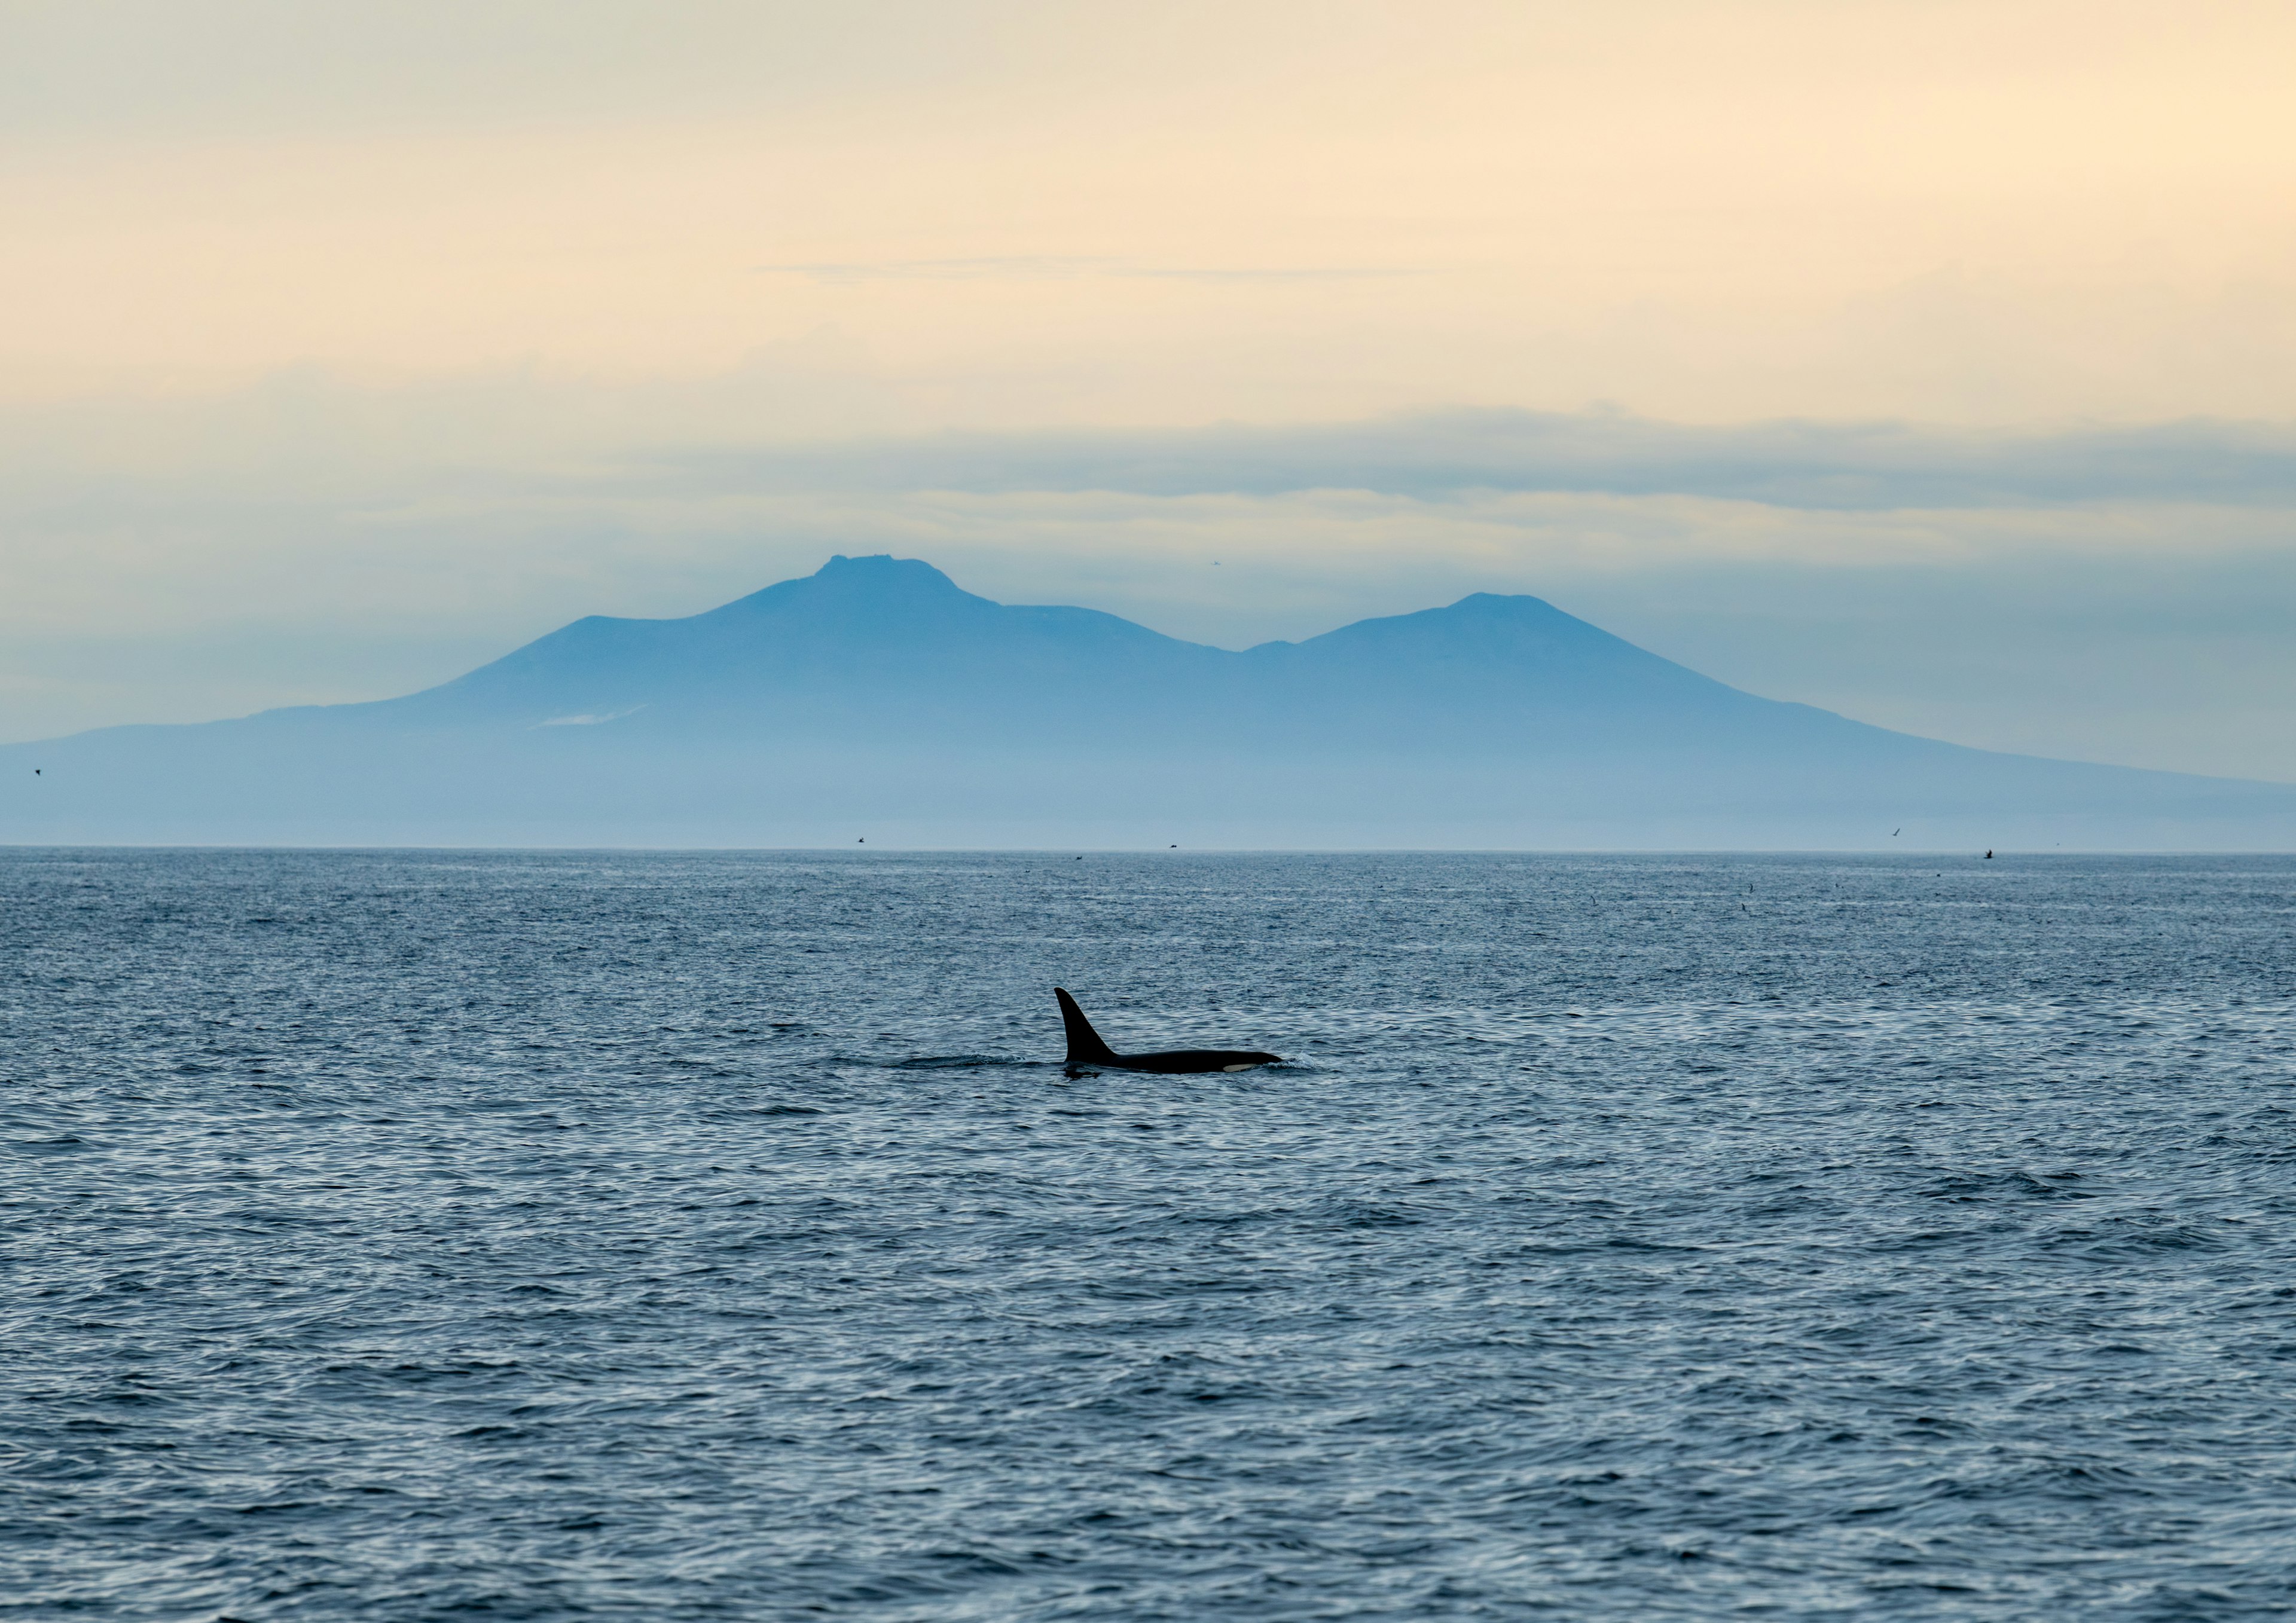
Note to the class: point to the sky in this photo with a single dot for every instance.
(1933, 363)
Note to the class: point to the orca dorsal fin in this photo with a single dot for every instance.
(1085, 1046)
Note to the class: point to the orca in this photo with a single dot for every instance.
(1085, 1048)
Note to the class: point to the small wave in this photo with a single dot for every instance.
(2005, 1185)
(958, 1062)
(2128, 1239)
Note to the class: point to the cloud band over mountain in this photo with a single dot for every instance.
(1814, 465)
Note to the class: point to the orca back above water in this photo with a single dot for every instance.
(1085, 1048)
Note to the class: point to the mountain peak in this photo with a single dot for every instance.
(875, 563)
(879, 578)
(881, 571)
(874, 587)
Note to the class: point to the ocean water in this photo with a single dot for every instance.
(697, 1236)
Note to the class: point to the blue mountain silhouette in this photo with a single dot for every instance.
(876, 697)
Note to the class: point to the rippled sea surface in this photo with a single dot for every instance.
(667, 1236)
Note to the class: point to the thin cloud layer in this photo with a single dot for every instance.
(1812, 465)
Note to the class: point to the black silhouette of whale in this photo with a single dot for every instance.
(1085, 1048)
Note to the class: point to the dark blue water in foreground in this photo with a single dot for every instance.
(681, 1237)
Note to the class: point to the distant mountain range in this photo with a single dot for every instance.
(876, 700)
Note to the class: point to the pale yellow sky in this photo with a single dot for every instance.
(999, 215)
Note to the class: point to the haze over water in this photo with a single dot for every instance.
(426, 1236)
